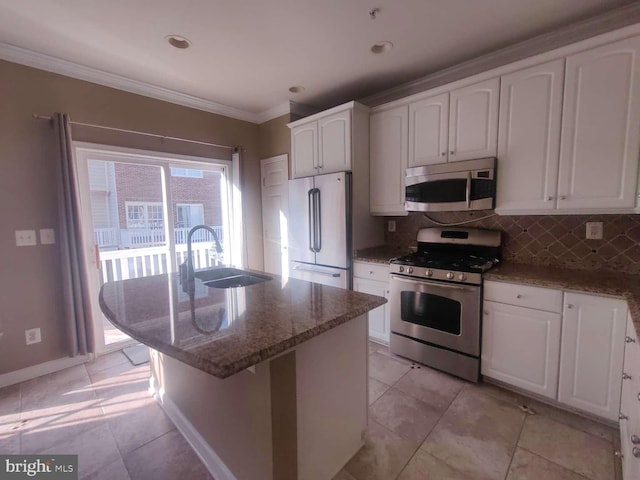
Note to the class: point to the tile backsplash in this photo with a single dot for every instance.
(557, 240)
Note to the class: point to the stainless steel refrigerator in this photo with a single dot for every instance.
(320, 229)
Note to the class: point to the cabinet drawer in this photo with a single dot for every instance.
(372, 271)
(546, 299)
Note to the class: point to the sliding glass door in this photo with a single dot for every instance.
(138, 209)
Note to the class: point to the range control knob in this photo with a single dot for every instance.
(450, 275)
(401, 269)
(410, 270)
(462, 277)
(429, 273)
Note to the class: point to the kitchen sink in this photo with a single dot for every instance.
(226, 277)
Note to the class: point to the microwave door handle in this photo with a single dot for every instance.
(468, 190)
(310, 211)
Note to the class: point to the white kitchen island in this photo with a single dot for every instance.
(265, 382)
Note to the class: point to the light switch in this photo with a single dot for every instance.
(47, 236)
(25, 238)
(391, 225)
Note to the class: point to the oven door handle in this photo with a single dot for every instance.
(468, 190)
(424, 282)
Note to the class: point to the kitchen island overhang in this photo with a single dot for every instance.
(299, 411)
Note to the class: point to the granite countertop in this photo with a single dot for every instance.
(224, 331)
(380, 254)
(600, 282)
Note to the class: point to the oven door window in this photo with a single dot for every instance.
(432, 311)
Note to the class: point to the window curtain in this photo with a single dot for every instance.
(75, 279)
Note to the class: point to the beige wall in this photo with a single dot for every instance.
(274, 137)
(29, 276)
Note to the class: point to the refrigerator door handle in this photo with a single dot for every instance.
(311, 211)
(318, 232)
(328, 274)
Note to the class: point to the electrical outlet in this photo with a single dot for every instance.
(25, 238)
(47, 236)
(391, 225)
(594, 231)
(32, 336)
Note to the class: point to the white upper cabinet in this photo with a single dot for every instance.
(457, 125)
(323, 143)
(601, 128)
(304, 150)
(429, 130)
(388, 157)
(473, 121)
(529, 137)
(592, 351)
(335, 142)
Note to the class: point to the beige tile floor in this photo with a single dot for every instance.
(423, 425)
(101, 411)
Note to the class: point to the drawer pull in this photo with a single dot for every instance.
(626, 376)
(622, 416)
(629, 340)
(636, 452)
(518, 296)
(370, 272)
(635, 439)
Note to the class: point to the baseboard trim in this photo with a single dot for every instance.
(41, 369)
(209, 457)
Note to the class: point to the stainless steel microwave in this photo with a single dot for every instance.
(451, 187)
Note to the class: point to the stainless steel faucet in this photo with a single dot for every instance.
(186, 269)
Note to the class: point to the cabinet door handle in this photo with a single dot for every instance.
(622, 416)
(635, 439)
(549, 198)
(518, 296)
(486, 312)
(636, 452)
(443, 153)
(451, 152)
(563, 197)
(626, 376)
(569, 305)
(629, 340)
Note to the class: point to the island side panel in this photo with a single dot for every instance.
(232, 415)
(331, 384)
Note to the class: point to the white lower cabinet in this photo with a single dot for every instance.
(593, 331)
(630, 406)
(521, 347)
(373, 279)
(568, 350)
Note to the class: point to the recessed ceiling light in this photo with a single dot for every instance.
(382, 47)
(178, 41)
(296, 89)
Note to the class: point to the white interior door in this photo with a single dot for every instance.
(275, 213)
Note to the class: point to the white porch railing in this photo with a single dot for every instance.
(106, 237)
(140, 238)
(143, 262)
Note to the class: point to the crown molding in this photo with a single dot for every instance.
(618, 18)
(57, 65)
(273, 112)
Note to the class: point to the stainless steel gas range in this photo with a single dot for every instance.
(436, 296)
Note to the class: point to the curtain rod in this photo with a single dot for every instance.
(136, 132)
